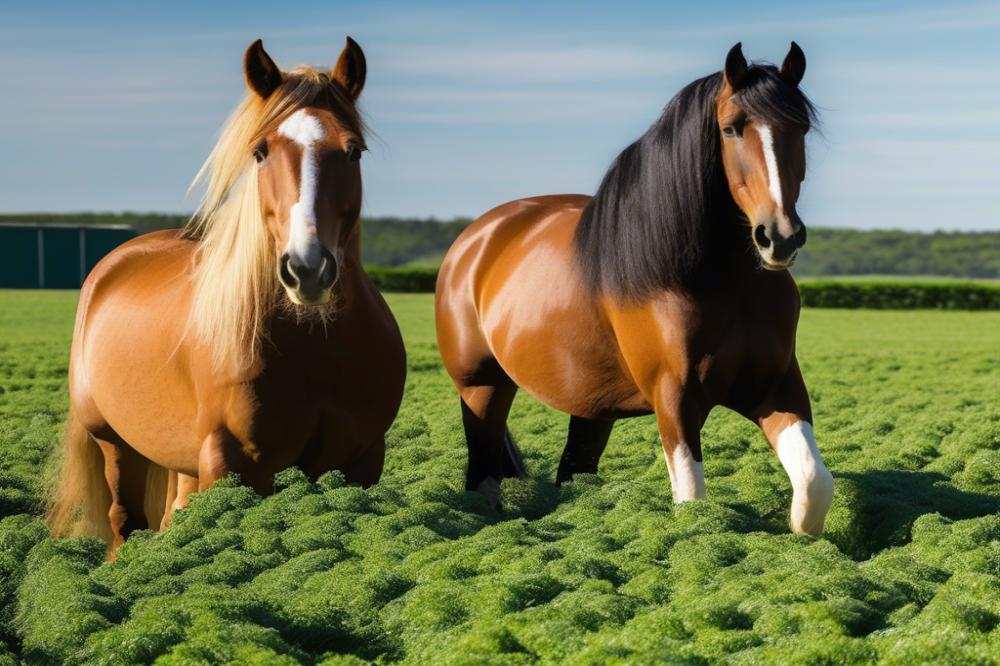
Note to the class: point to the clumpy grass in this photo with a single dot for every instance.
(601, 570)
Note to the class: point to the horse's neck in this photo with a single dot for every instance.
(730, 257)
(352, 245)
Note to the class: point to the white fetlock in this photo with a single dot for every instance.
(687, 478)
(812, 483)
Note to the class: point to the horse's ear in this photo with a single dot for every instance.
(736, 67)
(262, 75)
(794, 66)
(351, 69)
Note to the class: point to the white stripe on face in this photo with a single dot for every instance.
(773, 178)
(303, 242)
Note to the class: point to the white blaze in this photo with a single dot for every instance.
(303, 242)
(812, 483)
(773, 178)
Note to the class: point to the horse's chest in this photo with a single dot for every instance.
(742, 355)
(343, 391)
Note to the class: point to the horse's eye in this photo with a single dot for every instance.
(260, 151)
(354, 152)
(730, 131)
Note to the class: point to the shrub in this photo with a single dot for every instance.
(403, 280)
(821, 293)
(899, 295)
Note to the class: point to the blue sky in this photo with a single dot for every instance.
(114, 106)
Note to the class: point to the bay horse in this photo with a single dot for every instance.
(247, 342)
(666, 292)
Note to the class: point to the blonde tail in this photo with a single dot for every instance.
(80, 497)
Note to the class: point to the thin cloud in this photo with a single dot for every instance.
(557, 65)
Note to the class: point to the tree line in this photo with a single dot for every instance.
(395, 241)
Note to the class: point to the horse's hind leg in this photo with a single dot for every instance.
(584, 446)
(125, 472)
(181, 487)
(492, 453)
(487, 391)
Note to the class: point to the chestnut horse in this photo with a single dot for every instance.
(650, 296)
(247, 342)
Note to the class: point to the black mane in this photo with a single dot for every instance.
(665, 201)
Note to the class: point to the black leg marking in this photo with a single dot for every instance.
(484, 452)
(584, 446)
(513, 463)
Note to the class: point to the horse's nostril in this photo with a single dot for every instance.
(760, 236)
(286, 273)
(800, 236)
(329, 270)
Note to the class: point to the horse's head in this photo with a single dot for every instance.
(309, 178)
(763, 118)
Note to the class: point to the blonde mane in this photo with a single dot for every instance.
(235, 264)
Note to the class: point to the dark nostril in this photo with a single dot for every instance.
(286, 273)
(800, 236)
(330, 269)
(760, 236)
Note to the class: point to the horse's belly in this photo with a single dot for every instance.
(547, 334)
(138, 387)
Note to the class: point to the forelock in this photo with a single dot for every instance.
(772, 100)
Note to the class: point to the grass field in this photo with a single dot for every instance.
(602, 570)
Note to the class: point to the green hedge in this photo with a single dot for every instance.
(901, 295)
(875, 294)
(409, 279)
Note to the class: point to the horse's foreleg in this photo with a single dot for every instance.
(223, 453)
(366, 469)
(680, 435)
(785, 418)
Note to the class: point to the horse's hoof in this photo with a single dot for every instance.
(490, 489)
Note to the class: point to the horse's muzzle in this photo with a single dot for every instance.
(309, 285)
(777, 252)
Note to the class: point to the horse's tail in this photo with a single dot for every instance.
(513, 463)
(80, 497)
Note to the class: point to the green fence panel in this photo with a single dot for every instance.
(53, 257)
(18, 257)
(61, 249)
(99, 242)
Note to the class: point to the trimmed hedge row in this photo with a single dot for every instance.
(879, 294)
(410, 279)
(899, 295)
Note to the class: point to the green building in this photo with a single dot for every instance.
(54, 256)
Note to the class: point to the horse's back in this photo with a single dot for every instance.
(496, 239)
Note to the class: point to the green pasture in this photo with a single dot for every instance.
(602, 570)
